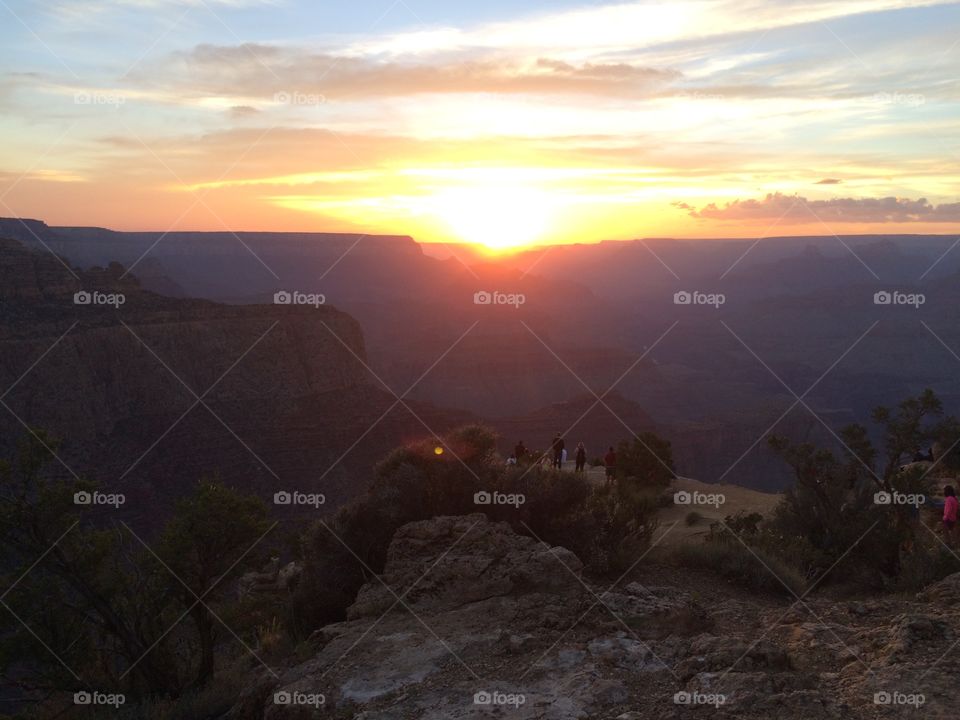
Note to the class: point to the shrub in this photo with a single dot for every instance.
(757, 571)
(646, 460)
(833, 507)
(743, 524)
(605, 525)
(610, 532)
(929, 562)
(412, 483)
(692, 518)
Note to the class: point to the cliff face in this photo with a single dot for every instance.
(284, 392)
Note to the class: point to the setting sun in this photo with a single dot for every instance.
(500, 218)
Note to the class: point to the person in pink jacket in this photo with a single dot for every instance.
(950, 507)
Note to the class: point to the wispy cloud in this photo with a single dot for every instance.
(263, 71)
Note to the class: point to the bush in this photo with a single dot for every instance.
(929, 562)
(692, 518)
(757, 571)
(646, 460)
(744, 524)
(832, 511)
(606, 525)
(612, 529)
(412, 483)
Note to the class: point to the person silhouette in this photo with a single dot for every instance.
(610, 462)
(580, 457)
(557, 445)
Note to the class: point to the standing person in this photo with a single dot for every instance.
(557, 446)
(950, 507)
(610, 461)
(519, 452)
(581, 457)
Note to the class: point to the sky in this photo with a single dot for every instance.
(507, 122)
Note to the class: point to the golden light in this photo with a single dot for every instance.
(438, 450)
(500, 217)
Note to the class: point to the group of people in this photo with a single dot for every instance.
(557, 456)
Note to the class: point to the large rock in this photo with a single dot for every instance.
(448, 562)
(487, 613)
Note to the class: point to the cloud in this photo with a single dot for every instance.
(800, 210)
(630, 25)
(242, 111)
(829, 181)
(260, 71)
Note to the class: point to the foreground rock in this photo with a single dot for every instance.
(471, 620)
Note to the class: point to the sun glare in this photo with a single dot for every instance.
(499, 218)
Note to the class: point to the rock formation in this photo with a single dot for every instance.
(470, 620)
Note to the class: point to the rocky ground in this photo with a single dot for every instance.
(470, 620)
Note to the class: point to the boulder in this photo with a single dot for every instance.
(449, 562)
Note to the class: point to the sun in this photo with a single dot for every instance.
(497, 217)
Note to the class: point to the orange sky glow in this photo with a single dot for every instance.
(535, 126)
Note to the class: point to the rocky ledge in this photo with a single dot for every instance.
(471, 620)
